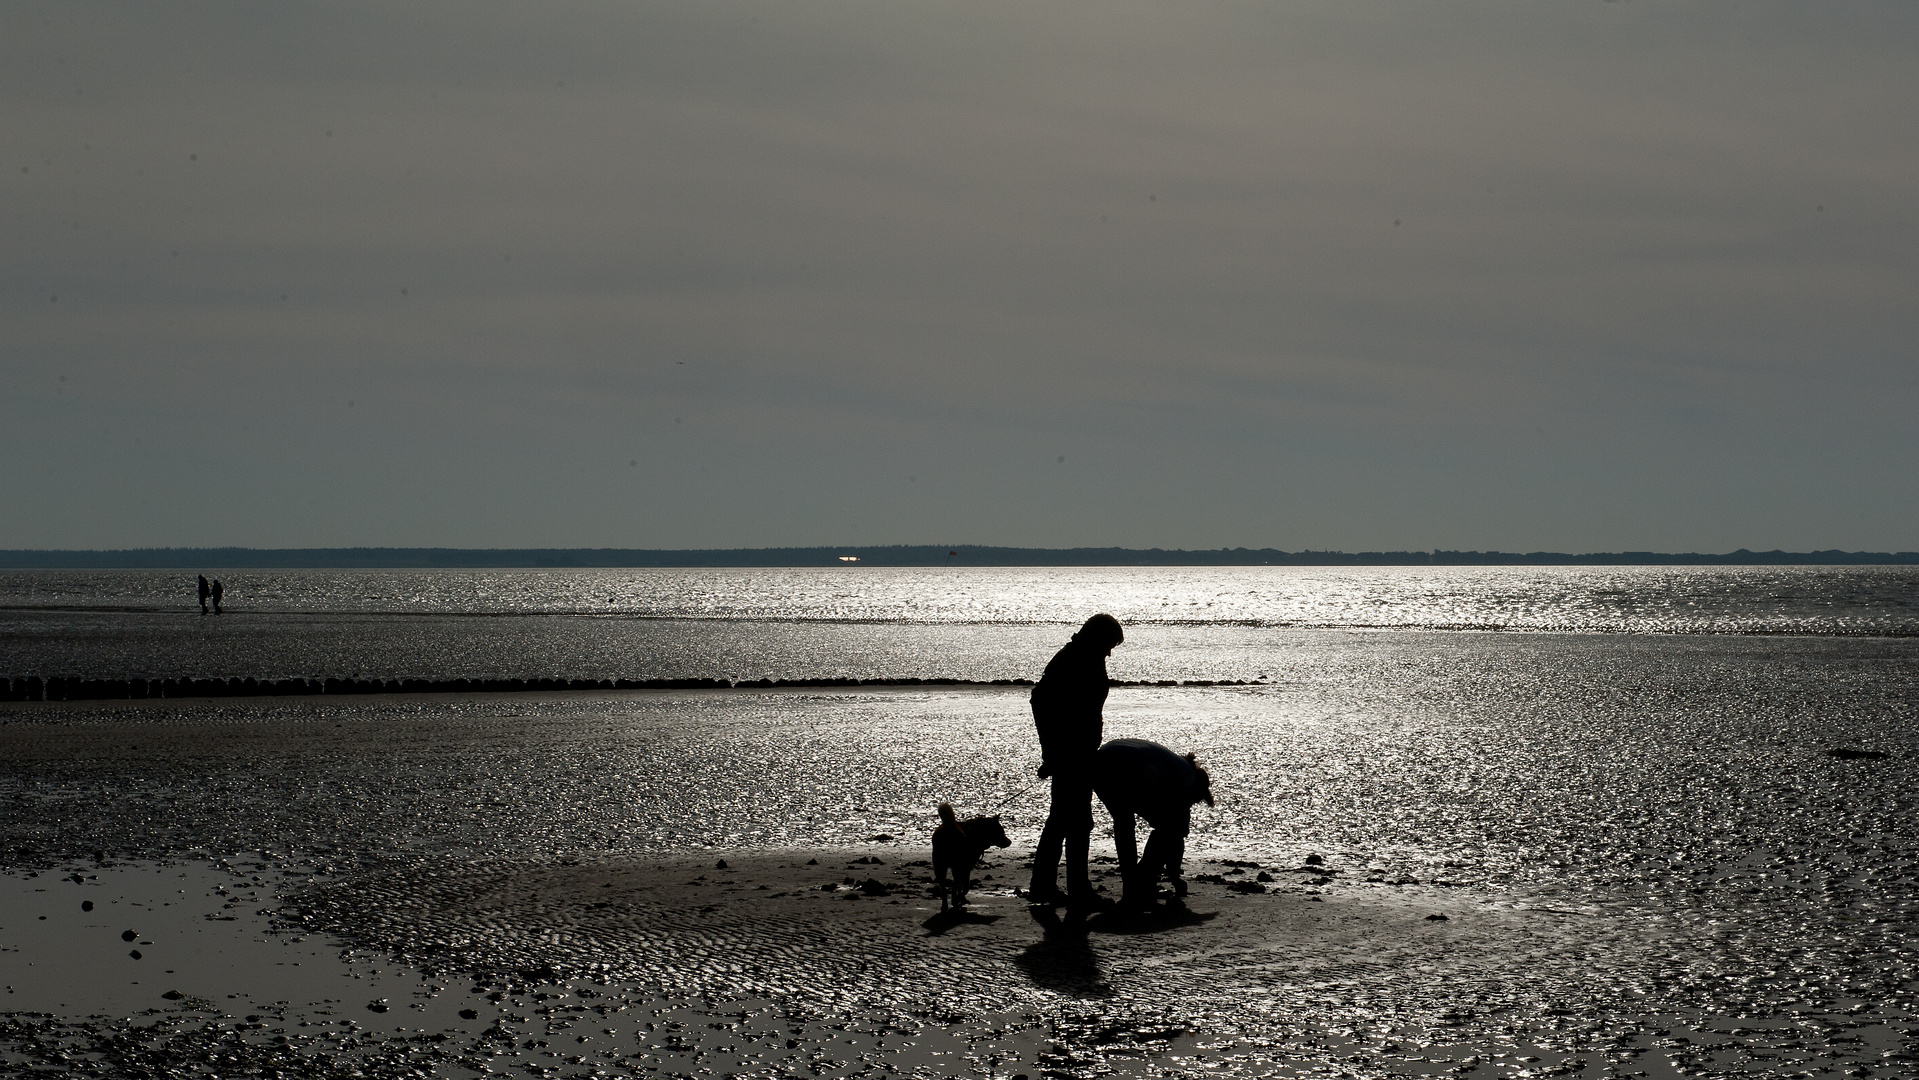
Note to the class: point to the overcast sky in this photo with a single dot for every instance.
(1568, 276)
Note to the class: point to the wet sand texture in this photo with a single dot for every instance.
(829, 962)
(1648, 862)
(821, 963)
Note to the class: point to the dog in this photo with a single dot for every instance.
(957, 846)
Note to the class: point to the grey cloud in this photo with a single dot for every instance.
(1345, 275)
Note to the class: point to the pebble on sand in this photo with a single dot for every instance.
(130, 935)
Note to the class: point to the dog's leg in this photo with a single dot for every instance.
(962, 880)
(939, 879)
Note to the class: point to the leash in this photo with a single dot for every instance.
(1015, 796)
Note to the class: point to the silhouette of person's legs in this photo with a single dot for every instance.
(1079, 886)
(1045, 886)
(1165, 851)
(1126, 844)
(1069, 827)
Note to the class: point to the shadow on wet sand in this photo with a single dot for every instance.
(1171, 915)
(943, 921)
(1061, 960)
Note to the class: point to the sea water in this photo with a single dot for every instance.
(968, 623)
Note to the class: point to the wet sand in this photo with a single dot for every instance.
(410, 851)
(819, 963)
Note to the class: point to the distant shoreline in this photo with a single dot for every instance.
(374, 558)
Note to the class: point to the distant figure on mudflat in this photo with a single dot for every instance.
(218, 591)
(1138, 778)
(205, 591)
(1067, 704)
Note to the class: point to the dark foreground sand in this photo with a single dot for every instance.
(318, 890)
(826, 963)
(823, 963)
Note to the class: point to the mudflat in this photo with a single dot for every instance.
(826, 962)
(657, 884)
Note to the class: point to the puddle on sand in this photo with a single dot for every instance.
(117, 939)
(220, 984)
(208, 980)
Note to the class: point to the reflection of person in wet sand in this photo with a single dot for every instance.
(205, 591)
(1067, 704)
(1136, 777)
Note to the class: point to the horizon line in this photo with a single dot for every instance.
(849, 556)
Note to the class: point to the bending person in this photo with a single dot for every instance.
(1136, 777)
(1067, 704)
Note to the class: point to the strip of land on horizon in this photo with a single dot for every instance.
(370, 558)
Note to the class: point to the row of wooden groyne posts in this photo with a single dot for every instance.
(35, 688)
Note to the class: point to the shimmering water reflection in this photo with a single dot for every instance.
(1738, 599)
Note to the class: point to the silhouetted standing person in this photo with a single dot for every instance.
(218, 592)
(1067, 704)
(205, 591)
(1138, 778)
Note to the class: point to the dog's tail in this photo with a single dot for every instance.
(946, 813)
